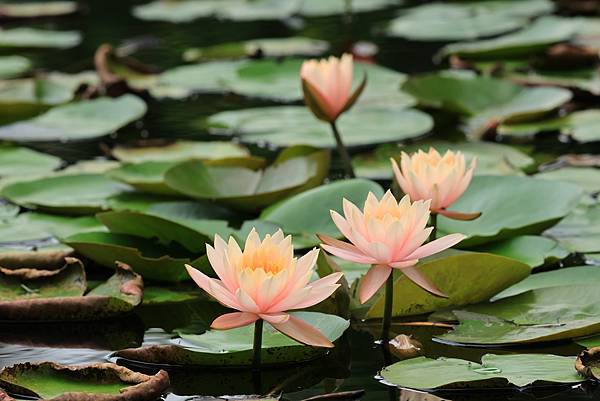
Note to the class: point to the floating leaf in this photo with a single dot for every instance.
(579, 231)
(234, 347)
(539, 315)
(533, 39)
(578, 275)
(163, 295)
(97, 382)
(295, 170)
(587, 178)
(492, 158)
(466, 20)
(13, 66)
(32, 37)
(308, 213)
(179, 151)
(450, 271)
(296, 125)
(495, 370)
(35, 10)
(270, 47)
(23, 161)
(540, 204)
(317, 8)
(529, 249)
(69, 194)
(81, 120)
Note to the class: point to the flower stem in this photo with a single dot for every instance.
(434, 225)
(256, 359)
(342, 151)
(387, 311)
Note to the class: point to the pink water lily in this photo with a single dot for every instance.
(387, 235)
(265, 281)
(428, 175)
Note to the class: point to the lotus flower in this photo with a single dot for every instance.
(327, 86)
(443, 179)
(388, 235)
(264, 281)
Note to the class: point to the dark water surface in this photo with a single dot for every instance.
(354, 364)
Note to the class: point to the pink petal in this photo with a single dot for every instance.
(214, 287)
(436, 246)
(422, 281)
(318, 291)
(275, 318)
(233, 320)
(303, 332)
(404, 263)
(344, 250)
(373, 281)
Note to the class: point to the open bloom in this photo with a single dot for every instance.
(443, 179)
(263, 282)
(327, 86)
(388, 235)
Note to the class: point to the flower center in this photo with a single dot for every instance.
(266, 259)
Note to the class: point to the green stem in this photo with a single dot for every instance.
(434, 225)
(387, 311)
(256, 359)
(343, 151)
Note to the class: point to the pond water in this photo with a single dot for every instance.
(355, 363)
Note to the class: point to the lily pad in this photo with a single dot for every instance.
(296, 125)
(535, 38)
(13, 66)
(234, 347)
(578, 275)
(23, 161)
(307, 214)
(269, 47)
(38, 38)
(587, 178)
(39, 9)
(497, 198)
(165, 295)
(179, 151)
(465, 20)
(450, 271)
(492, 158)
(518, 370)
(102, 381)
(539, 315)
(579, 231)
(529, 249)
(68, 194)
(81, 120)
(296, 169)
(150, 260)
(47, 295)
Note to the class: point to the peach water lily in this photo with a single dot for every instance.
(442, 179)
(388, 235)
(263, 282)
(327, 87)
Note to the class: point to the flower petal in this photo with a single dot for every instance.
(419, 279)
(302, 332)
(214, 287)
(373, 281)
(275, 318)
(344, 250)
(436, 246)
(233, 320)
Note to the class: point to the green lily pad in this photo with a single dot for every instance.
(518, 370)
(270, 47)
(492, 158)
(535, 38)
(540, 203)
(13, 66)
(589, 342)
(150, 260)
(587, 178)
(46, 295)
(48, 380)
(296, 125)
(529, 249)
(582, 126)
(68, 194)
(295, 170)
(539, 315)
(30, 95)
(81, 120)
(38, 38)
(179, 151)
(579, 231)
(465, 20)
(234, 347)
(578, 275)
(39, 9)
(307, 214)
(584, 79)
(317, 8)
(163, 295)
(450, 271)
(23, 161)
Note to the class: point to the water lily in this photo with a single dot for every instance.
(429, 175)
(388, 235)
(264, 282)
(327, 87)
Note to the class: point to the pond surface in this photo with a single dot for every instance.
(355, 363)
